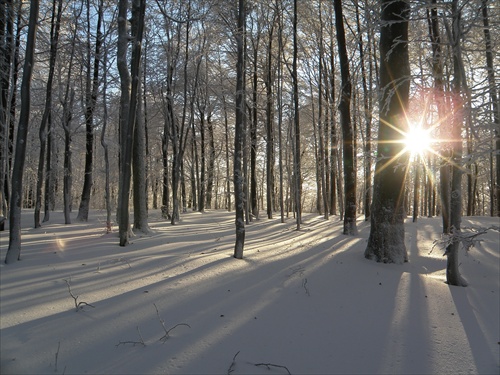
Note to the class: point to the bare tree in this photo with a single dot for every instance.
(129, 102)
(14, 250)
(348, 149)
(55, 25)
(238, 135)
(386, 241)
(91, 91)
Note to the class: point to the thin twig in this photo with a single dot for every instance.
(134, 343)
(78, 305)
(166, 336)
(269, 365)
(231, 368)
(304, 285)
(57, 356)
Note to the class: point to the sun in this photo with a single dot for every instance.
(418, 140)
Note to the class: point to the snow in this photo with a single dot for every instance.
(305, 301)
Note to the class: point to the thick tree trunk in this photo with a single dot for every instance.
(386, 241)
(137, 27)
(348, 154)
(14, 250)
(453, 276)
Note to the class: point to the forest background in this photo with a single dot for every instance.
(178, 69)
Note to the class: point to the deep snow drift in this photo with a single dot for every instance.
(302, 302)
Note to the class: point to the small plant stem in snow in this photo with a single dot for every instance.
(78, 305)
(233, 364)
(167, 331)
(57, 356)
(269, 365)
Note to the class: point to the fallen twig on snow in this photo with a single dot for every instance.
(78, 305)
(166, 336)
(231, 368)
(269, 365)
(134, 343)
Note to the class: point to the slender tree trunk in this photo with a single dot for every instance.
(211, 161)
(453, 276)
(55, 25)
(495, 104)
(14, 250)
(90, 104)
(238, 136)
(140, 188)
(104, 144)
(348, 153)
(296, 121)
(386, 241)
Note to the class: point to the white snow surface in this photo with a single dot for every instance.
(302, 302)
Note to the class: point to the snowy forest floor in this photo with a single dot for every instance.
(300, 302)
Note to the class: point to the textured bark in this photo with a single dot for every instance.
(14, 250)
(386, 241)
(90, 104)
(238, 136)
(495, 104)
(453, 276)
(44, 160)
(137, 27)
(297, 173)
(348, 149)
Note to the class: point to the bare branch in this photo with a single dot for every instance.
(269, 365)
(233, 364)
(78, 305)
(134, 343)
(166, 336)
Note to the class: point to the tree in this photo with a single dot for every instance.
(129, 104)
(297, 174)
(91, 91)
(55, 26)
(348, 149)
(14, 250)
(386, 240)
(238, 134)
(453, 276)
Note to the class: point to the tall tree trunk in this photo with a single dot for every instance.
(453, 276)
(6, 66)
(14, 250)
(296, 125)
(211, 161)
(137, 27)
(90, 104)
(55, 26)
(367, 110)
(238, 136)
(386, 241)
(348, 153)
(254, 205)
(495, 104)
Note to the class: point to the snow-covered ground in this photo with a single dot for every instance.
(302, 302)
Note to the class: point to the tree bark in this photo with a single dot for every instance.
(238, 136)
(14, 250)
(386, 241)
(137, 27)
(348, 149)
(43, 160)
(90, 104)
